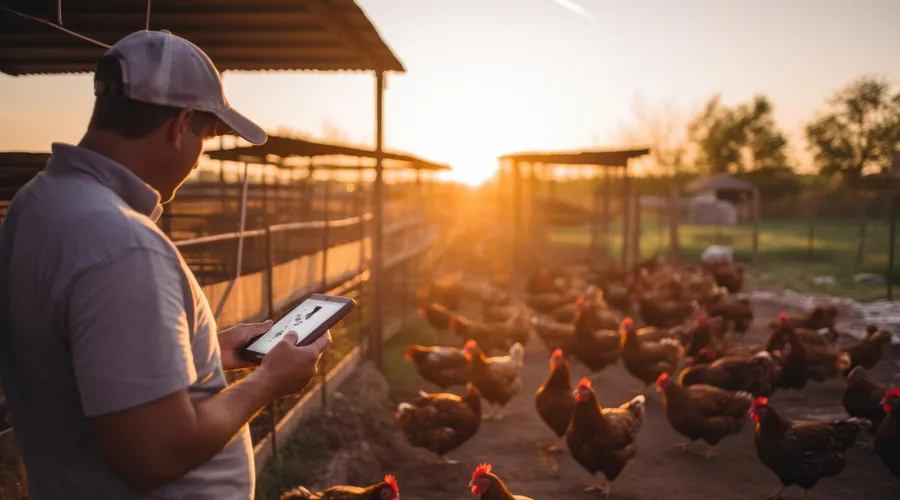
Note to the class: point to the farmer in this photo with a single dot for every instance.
(110, 358)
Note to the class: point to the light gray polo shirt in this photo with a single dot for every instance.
(100, 313)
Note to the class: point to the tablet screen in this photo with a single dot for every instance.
(304, 319)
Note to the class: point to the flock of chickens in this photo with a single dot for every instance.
(690, 349)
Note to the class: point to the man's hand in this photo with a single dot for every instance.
(287, 369)
(233, 339)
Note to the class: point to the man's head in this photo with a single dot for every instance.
(159, 97)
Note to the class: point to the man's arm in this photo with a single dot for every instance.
(131, 351)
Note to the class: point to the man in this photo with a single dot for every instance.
(109, 355)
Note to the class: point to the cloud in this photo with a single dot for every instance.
(575, 8)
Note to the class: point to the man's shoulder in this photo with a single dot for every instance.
(83, 216)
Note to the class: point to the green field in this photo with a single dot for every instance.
(784, 251)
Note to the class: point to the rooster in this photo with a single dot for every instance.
(887, 437)
(664, 313)
(497, 378)
(441, 422)
(442, 366)
(756, 374)
(603, 439)
(385, 490)
(489, 486)
(801, 452)
(646, 361)
(703, 411)
(554, 399)
(703, 334)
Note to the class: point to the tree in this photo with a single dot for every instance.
(738, 138)
(662, 129)
(860, 130)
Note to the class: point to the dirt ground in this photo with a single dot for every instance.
(514, 448)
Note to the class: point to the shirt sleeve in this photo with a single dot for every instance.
(129, 332)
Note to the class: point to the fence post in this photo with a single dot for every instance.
(811, 220)
(890, 273)
(324, 285)
(270, 278)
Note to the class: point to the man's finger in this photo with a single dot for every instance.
(290, 338)
(264, 326)
(321, 343)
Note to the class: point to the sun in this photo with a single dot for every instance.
(473, 172)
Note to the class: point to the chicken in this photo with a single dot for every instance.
(704, 333)
(498, 314)
(665, 313)
(441, 422)
(887, 437)
(554, 335)
(728, 275)
(862, 397)
(490, 336)
(603, 439)
(703, 411)
(756, 374)
(801, 452)
(737, 310)
(445, 292)
(385, 490)
(593, 347)
(868, 352)
(437, 315)
(548, 302)
(498, 378)
(442, 366)
(804, 361)
(646, 361)
(818, 318)
(489, 486)
(543, 282)
(554, 398)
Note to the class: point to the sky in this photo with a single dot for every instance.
(488, 77)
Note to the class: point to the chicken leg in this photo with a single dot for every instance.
(488, 413)
(557, 446)
(685, 447)
(710, 452)
(604, 490)
(447, 461)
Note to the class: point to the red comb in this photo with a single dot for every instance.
(421, 310)
(895, 391)
(662, 378)
(784, 318)
(471, 344)
(760, 401)
(702, 319)
(584, 383)
(392, 482)
(627, 323)
(558, 353)
(481, 469)
(579, 301)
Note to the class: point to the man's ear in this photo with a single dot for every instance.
(178, 128)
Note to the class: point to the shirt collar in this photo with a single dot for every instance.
(111, 174)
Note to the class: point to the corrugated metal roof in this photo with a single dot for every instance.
(287, 147)
(602, 158)
(250, 35)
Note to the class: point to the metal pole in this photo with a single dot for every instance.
(378, 225)
(517, 212)
(626, 219)
(273, 406)
(890, 273)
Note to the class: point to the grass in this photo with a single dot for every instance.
(785, 259)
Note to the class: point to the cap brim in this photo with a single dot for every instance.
(242, 126)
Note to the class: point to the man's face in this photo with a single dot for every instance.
(189, 131)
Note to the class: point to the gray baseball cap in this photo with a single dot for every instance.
(161, 68)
